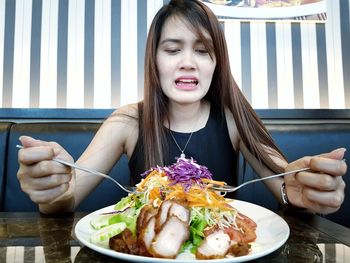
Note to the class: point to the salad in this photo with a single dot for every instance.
(175, 212)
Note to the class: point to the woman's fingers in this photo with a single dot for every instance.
(323, 202)
(46, 188)
(322, 182)
(42, 169)
(36, 150)
(42, 178)
(329, 199)
(321, 189)
(33, 155)
(329, 166)
(337, 154)
(49, 195)
(48, 182)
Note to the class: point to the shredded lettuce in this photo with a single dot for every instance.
(134, 200)
(125, 211)
(129, 217)
(198, 223)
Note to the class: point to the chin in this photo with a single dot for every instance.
(183, 99)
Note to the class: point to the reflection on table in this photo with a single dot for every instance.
(32, 237)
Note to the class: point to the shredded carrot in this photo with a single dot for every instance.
(154, 193)
(149, 176)
(208, 181)
(198, 195)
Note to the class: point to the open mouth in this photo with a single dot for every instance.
(186, 84)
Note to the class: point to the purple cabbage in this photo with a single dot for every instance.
(185, 171)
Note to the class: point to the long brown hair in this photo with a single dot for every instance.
(223, 91)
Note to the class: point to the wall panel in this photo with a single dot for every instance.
(89, 54)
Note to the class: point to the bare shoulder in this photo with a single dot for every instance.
(122, 127)
(127, 114)
(232, 128)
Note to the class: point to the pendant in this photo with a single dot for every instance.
(182, 155)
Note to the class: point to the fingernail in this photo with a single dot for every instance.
(341, 149)
(56, 151)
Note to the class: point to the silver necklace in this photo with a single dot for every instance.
(182, 155)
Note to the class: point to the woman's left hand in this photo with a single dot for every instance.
(322, 189)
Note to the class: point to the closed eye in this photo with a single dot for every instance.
(202, 51)
(172, 51)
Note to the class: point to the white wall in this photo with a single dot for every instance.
(89, 54)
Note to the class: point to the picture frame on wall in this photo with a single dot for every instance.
(310, 10)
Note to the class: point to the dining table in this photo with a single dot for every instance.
(35, 237)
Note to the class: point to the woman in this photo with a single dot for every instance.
(192, 107)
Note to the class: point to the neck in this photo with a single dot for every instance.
(184, 117)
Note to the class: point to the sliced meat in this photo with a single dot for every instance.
(239, 249)
(245, 231)
(117, 243)
(147, 233)
(170, 238)
(145, 214)
(162, 214)
(180, 211)
(246, 220)
(124, 242)
(131, 242)
(151, 212)
(248, 228)
(141, 217)
(215, 245)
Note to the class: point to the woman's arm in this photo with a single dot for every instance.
(259, 168)
(117, 135)
(57, 188)
(320, 190)
(263, 171)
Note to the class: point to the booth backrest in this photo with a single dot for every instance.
(4, 133)
(297, 132)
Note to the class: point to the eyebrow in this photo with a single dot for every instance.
(171, 40)
(178, 41)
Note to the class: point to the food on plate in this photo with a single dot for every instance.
(175, 212)
(264, 3)
(282, 3)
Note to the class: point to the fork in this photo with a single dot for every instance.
(229, 188)
(128, 189)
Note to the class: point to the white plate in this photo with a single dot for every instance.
(272, 232)
(268, 12)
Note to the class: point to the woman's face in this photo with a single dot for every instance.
(184, 64)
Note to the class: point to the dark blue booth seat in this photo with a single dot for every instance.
(297, 132)
(4, 132)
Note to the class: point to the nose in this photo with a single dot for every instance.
(188, 61)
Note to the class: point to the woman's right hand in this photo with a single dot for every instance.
(44, 180)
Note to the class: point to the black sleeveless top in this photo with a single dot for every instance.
(210, 146)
